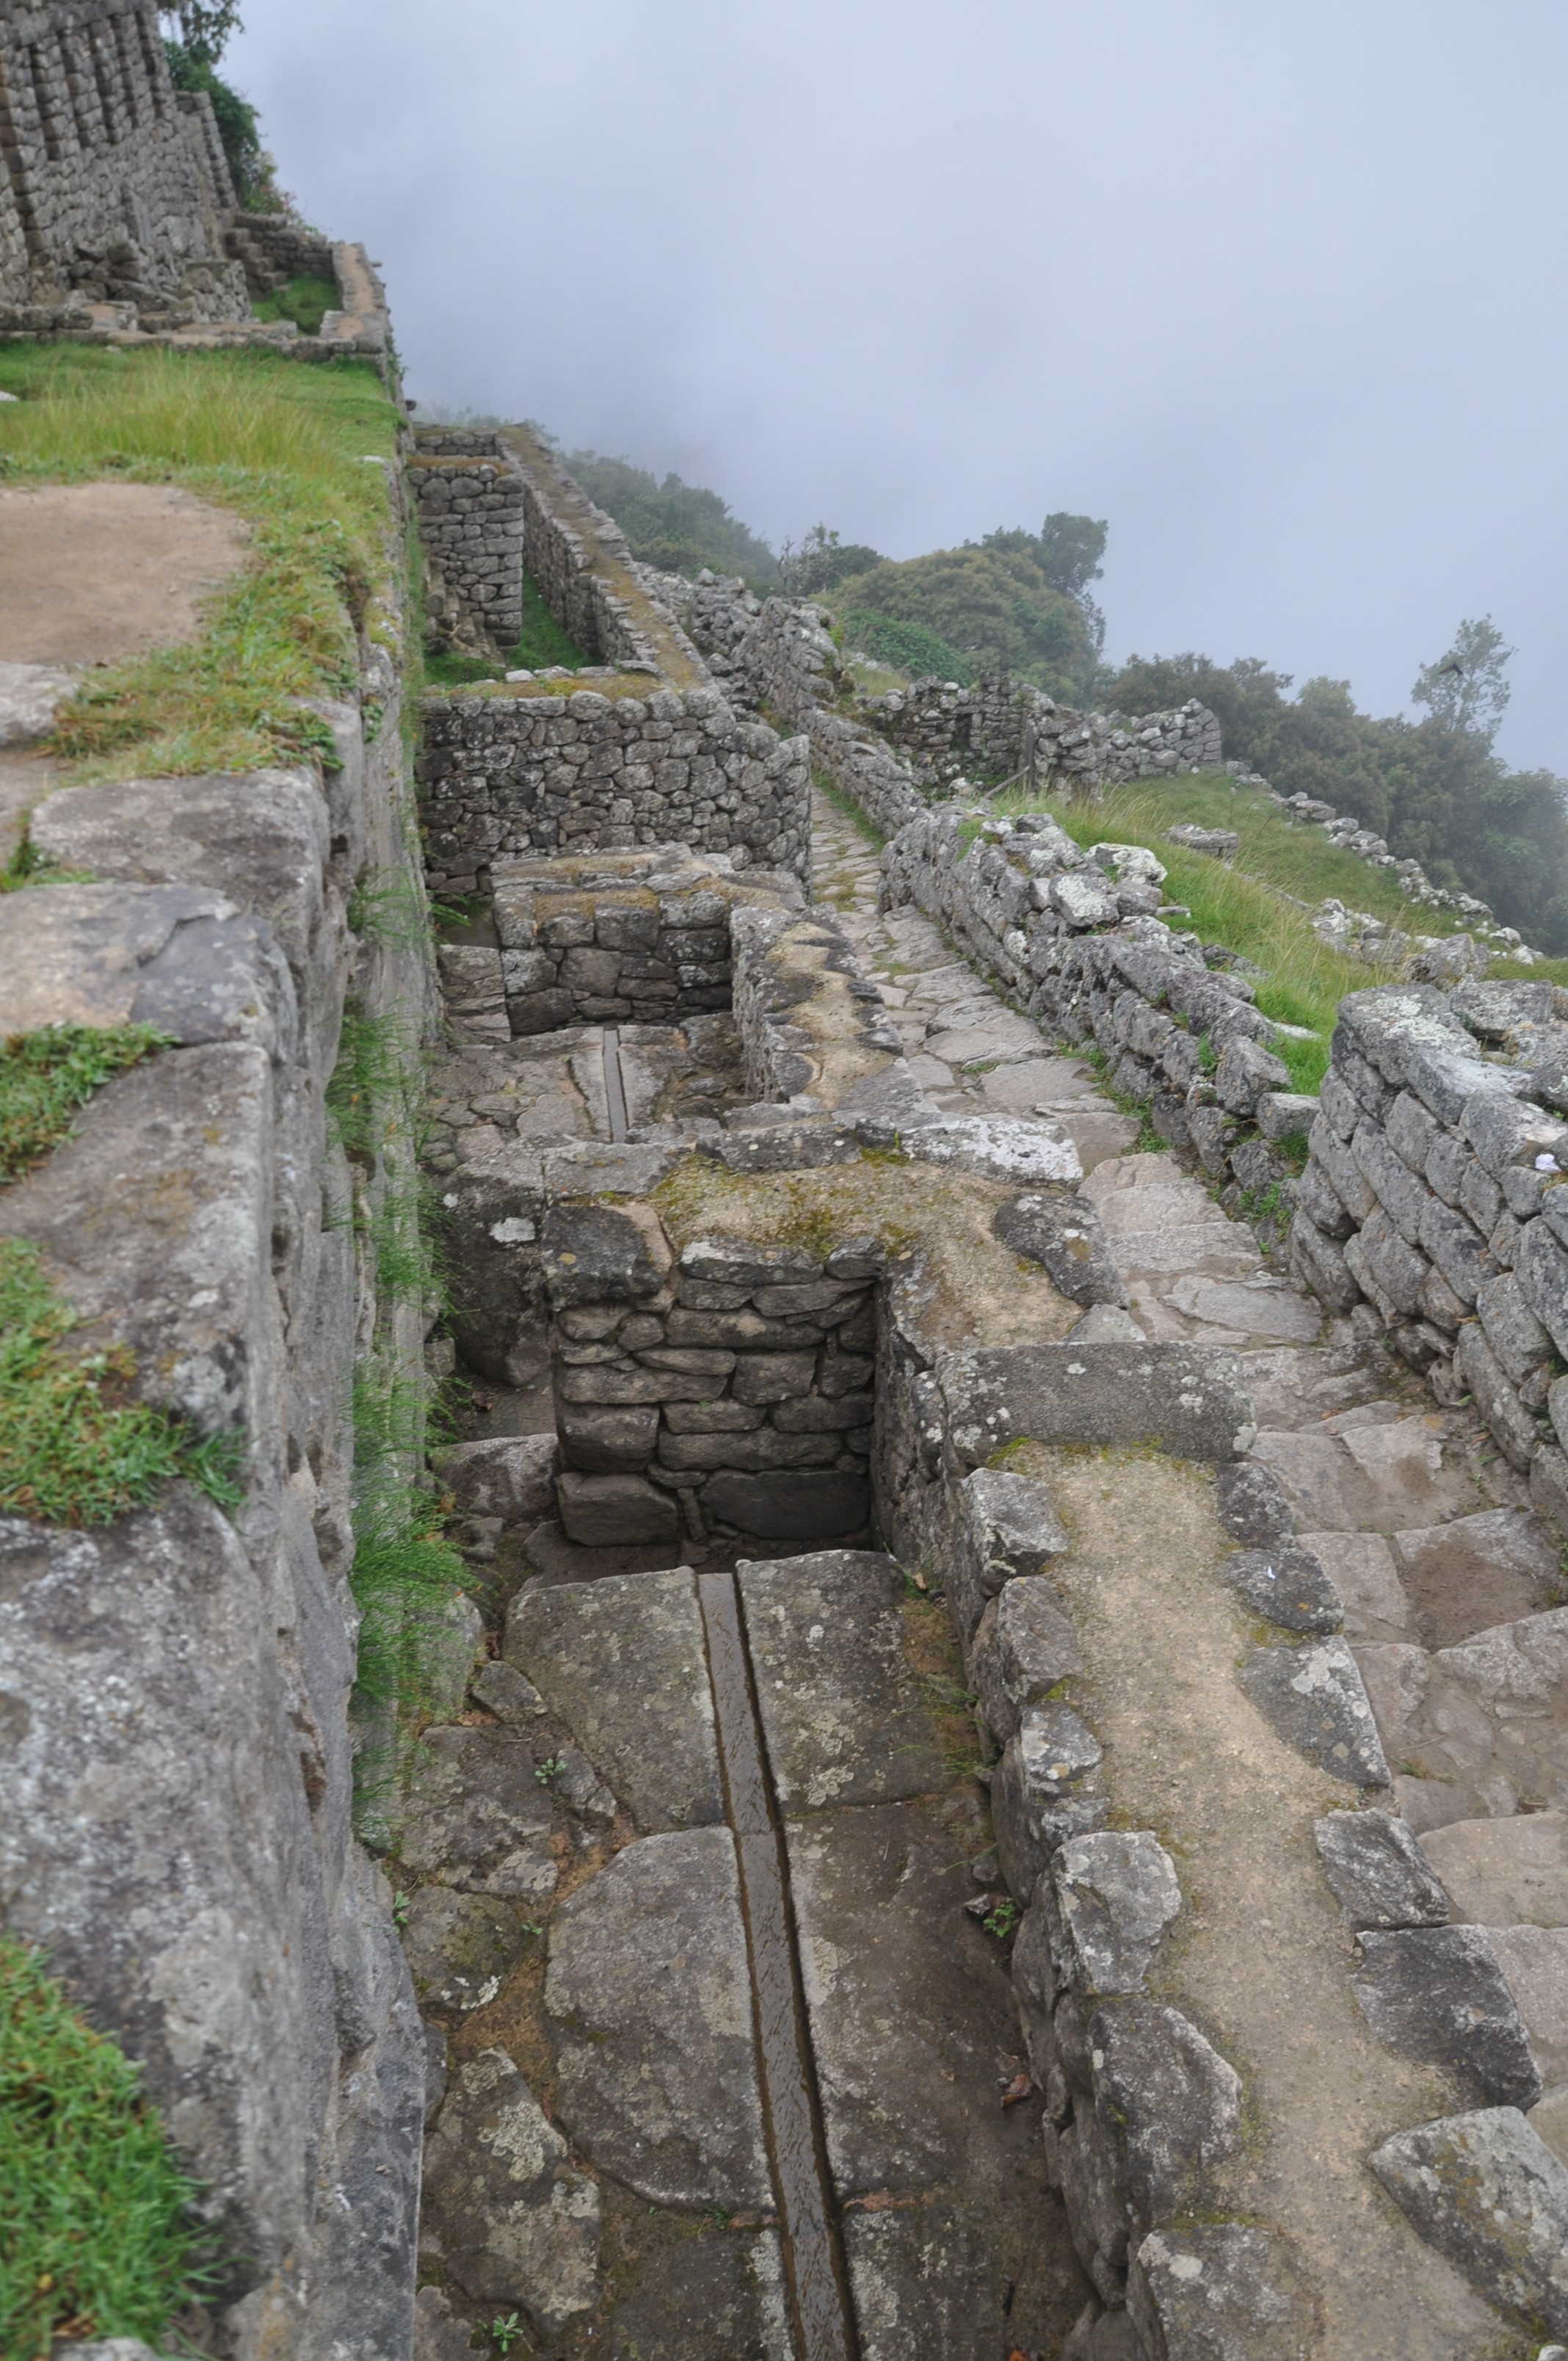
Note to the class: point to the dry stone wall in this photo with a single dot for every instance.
(470, 507)
(506, 773)
(1437, 1154)
(1009, 730)
(108, 185)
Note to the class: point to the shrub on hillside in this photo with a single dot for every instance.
(678, 527)
(993, 604)
(907, 647)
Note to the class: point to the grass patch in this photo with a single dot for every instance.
(406, 1572)
(285, 447)
(45, 1076)
(375, 1102)
(74, 1448)
(541, 644)
(98, 2240)
(306, 301)
(847, 808)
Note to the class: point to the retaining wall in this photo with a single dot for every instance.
(1433, 1194)
(177, 1832)
(109, 185)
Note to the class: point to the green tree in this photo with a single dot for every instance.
(992, 603)
(1464, 689)
(822, 562)
(205, 27)
(678, 527)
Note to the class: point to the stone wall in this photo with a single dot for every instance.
(107, 184)
(274, 248)
(177, 1832)
(507, 772)
(1432, 1196)
(470, 505)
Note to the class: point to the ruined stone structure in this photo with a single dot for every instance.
(111, 184)
(969, 1675)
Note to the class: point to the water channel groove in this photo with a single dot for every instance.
(614, 1083)
(814, 2260)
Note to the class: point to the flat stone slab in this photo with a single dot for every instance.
(475, 1815)
(908, 2003)
(1314, 1697)
(1506, 1871)
(1487, 2191)
(1380, 1876)
(715, 2297)
(925, 2285)
(508, 1476)
(179, 957)
(1534, 1962)
(624, 1663)
(1112, 1896)
(1188, 1400)
(1361, 1567)
(1224, 2291)
(1475, 1572)
(843, 1721)
(460, 1947)
(1383, 1479)
(1264, 1307)
(518, 2226)
(1438, 1993)
(650, 1992)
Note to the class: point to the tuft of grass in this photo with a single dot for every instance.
(405, 1572)
(75, 1449)
(375, 1102)
(845, 804)
(286, 448)
(541, 643)
(45, 1076)
(99, 2240)
(305, 300)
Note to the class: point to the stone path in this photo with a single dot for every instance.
(1448, 1582)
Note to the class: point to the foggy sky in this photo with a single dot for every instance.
(1277, 289)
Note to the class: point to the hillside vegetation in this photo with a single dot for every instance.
(678, 527)
(1434, 789)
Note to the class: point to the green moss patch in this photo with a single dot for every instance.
(75, 1449)
(45, 1076)
(97, 2238)
(306, 301)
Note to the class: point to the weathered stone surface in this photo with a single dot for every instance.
(1006, 1527)
(503, 1690)
(1380, 1876)
(1224, 2291)
(1314, 1697)
(649, 1987)
(1065, 1236)
(908, 2002)
(1437, 1993)
(840, 1713)
(1507, 1871)
(1287, 1585)
(623, 1663)
(1188, 1399)
(508, 1476)
(809, 1506)
(475, 1815)
(599, 1439)
(590, 1254)
(719, 2298)
(1114, 1896)
(460, 1947)
(1244, 1071)
(438, 2336)
(1033, 1800)
(1167, 2103)
(1251, 1505)
(1534, 1962)
(1487, 2192)
(738, 1262)
(1024, 1645)
(773, 1377)
(518, 2226)
(608, 1511)
(924, 2284)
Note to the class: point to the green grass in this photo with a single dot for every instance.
(405, 1572)
(1242, 905)
(306, 301)
(375, 1102)
(45, 1076)
(541, 645)
(284, 446)
(97, 2239)
(74, 1448)
(847, 808)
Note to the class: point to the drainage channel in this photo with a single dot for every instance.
(814, 2259)
(614, 1083)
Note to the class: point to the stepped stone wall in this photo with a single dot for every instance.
(177, 1831)
(1432, 1195)
(111, 182)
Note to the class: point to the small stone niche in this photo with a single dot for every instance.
(722, 1400)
